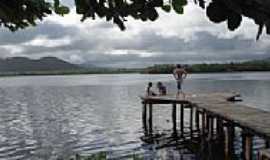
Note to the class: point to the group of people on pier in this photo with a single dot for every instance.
(162, 90)
(179, 74)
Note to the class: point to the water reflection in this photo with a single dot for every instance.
(52, 117)
(175, 146)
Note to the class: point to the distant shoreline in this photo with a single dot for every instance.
(21, 66)
(109, 73)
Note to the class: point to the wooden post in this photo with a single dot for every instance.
(174, 118)
(229, 140)
(208, 126)
(191, 121)
(220, 131)
(150, 118)
(267, 143)
(203, 122)
(208, 121)
(144, 116)
(211, 127)
(263, 154)
(182, 119)
(197, 120)
(247, 145)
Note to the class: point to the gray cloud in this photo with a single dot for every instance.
(48, 29)
(101, 43)
(205, 48)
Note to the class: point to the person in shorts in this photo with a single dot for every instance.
(179, 74)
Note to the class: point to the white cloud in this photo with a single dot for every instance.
(50, 43)
(72, 19)
(11, 49)
(76, 59)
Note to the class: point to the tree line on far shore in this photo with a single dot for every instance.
(59, 67)
(255, 65)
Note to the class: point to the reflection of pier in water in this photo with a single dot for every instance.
(214, 122)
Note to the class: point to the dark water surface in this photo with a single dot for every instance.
(52, 117)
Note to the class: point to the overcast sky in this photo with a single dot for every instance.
(188, 38)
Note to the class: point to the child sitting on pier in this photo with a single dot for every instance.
(149, 91)
(161, 89)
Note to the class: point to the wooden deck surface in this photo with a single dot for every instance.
(201, 98)
(255, 120)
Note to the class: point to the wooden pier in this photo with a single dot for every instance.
(215, 116)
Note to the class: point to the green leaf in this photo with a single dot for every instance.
(234, 21)
(56, 3)
(166, 8)
(81, 6)
(178, 9)
(62, 10)
(178, 6)
(183, 2)
(152, 14)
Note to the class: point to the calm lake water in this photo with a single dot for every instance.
(55, 117)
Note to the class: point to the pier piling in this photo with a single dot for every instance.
(203, 122)
(247, 145)
(191, 121)
(174, 118)
(144, 115)
(215, 118)
(150, 120)
(197, 120)
(182, 114)
(229, 140)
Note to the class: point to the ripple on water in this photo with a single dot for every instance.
(43, 118)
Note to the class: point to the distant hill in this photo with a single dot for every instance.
(23, 64)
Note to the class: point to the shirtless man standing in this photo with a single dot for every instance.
(179, 74)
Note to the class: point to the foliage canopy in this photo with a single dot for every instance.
(19, 14)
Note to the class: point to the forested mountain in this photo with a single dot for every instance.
(23, 64)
